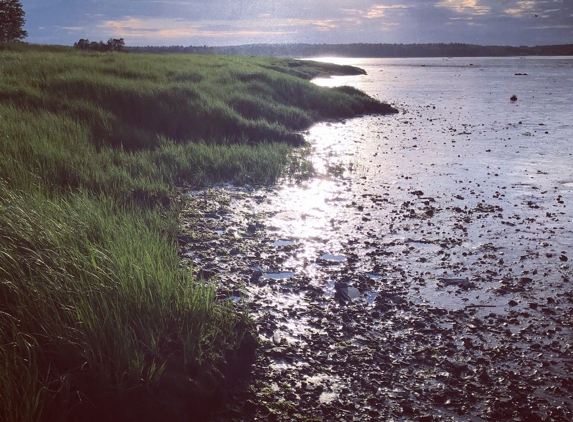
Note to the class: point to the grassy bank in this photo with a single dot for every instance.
(95, 311)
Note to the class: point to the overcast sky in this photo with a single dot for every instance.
(235, 22)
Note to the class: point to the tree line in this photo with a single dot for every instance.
(368, 50)
(113, 44)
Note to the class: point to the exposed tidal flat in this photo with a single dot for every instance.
(424, 273)
(98, 318)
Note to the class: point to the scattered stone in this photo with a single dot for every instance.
(330, 259)
(409, 342)
(463, 283)
(345, 292)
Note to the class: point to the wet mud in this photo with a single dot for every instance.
(418, 276)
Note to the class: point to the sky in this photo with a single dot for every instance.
(237, 22)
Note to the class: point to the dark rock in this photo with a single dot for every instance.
(463, 283)
(484, 377)
(458, 368)
(383, 307)
(344, 292)
(256, 275)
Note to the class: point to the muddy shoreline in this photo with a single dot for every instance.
(421, 275)
(382, 353)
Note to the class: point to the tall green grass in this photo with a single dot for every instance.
(94, 304)
(92, 295)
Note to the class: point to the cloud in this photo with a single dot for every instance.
(522, 8)
(176, 29)
(325, 25)
(379, 11)
(471, 7)
(140, 29)
(552, 27)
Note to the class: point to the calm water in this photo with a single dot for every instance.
(472, 95)
(456, 116)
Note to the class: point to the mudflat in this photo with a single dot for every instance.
(423, 274)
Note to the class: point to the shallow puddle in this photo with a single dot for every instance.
(283, 242)
(278, 275)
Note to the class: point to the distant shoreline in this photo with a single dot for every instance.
(366, 50)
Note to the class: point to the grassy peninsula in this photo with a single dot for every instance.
(95, 309)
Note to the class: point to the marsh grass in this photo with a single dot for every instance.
(93, 300)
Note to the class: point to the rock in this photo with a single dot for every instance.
(330, 259)
(463, 283)
(458, 368)
(484, 377)
(345, 292)
(256, 275)
(384, 296)
(513, 98)
(383, 307)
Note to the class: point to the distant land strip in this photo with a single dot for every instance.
(367, 50)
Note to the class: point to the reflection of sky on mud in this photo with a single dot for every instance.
(458, 140)
(310, 210)
(302, 211)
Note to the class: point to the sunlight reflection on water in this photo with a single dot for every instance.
(458, 148)
(461, 141)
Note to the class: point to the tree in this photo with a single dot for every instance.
(113, 44)
(11, 21)
(82, 44)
